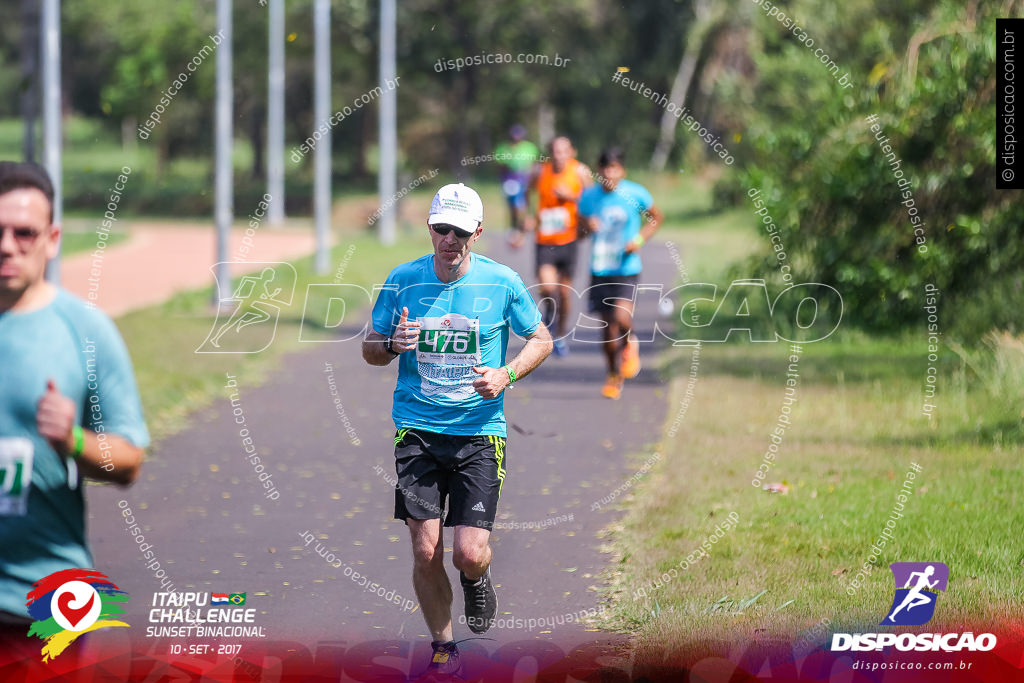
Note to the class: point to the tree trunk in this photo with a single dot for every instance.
(681, 84)
(258, 144)
(545, 123)
(129, 137)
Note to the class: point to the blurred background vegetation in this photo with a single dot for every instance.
(925, 69)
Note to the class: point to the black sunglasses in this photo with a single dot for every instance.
(23, 237)
(443, 229)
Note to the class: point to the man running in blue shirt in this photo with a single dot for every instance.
(69, 406)
(621, 216)
(446, 317)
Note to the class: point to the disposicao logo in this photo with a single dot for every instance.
(913, 604)
(71, 602)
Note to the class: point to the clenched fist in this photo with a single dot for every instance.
(491, 382)
(55, 417)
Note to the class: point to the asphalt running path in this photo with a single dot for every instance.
(213, 529)
(160, 260)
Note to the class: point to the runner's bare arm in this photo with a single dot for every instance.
(586, 175)
(375, 351)
(492, 381)
(653, 223)
(123, 460)
(118, 461)
(538, 347)
(530, 219)
(648, 229)
(531, 186)
(588, 225)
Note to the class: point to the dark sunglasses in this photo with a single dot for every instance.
(443, 229)
(23, 237)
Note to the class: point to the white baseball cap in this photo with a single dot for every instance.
(457, 205)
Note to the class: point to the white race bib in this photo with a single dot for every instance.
(606, 254)
(15, 475)
(554, 220)
(447, 351)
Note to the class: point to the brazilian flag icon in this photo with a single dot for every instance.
(236, 598)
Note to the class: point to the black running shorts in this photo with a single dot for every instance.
(466, 472)
(605, 289)
(561, 256)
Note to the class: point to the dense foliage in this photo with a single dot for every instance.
(842, 203)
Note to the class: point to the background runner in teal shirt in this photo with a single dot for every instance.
(621, 216)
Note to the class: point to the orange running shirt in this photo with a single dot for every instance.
(557, 220)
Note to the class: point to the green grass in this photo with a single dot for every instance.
(856, 427)
(74, 241)
(844, 459)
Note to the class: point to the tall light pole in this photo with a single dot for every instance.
(275, 112)
(321, 113)
(30, 47)
(388, 123)
(49, 35)
(223, 132)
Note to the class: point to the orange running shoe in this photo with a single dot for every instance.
(631, 359)
(612, 387)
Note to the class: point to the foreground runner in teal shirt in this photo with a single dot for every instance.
(447, 318)
(69, 406)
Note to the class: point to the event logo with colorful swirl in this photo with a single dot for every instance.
(71, 602)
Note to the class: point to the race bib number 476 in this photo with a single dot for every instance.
(448, 348)
(441, 341)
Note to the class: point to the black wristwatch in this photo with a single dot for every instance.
(387, 347)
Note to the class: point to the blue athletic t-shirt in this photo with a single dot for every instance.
(618, 217)
(465, 324)
(42, 510)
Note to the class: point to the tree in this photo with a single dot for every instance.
(925, 73)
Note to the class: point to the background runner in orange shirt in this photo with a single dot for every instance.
(558, 183)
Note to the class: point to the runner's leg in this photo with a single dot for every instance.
(471, 552)
(565, 280)
(433, 589)
(623, 313)
(547, 276)
(612, 340)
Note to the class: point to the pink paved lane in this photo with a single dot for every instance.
(160, 260)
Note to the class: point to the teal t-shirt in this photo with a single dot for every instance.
(42, 510)
(466, 323)
(618, 216)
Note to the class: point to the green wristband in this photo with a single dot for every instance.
(511, 374)
(79, 435)
(639, 239)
